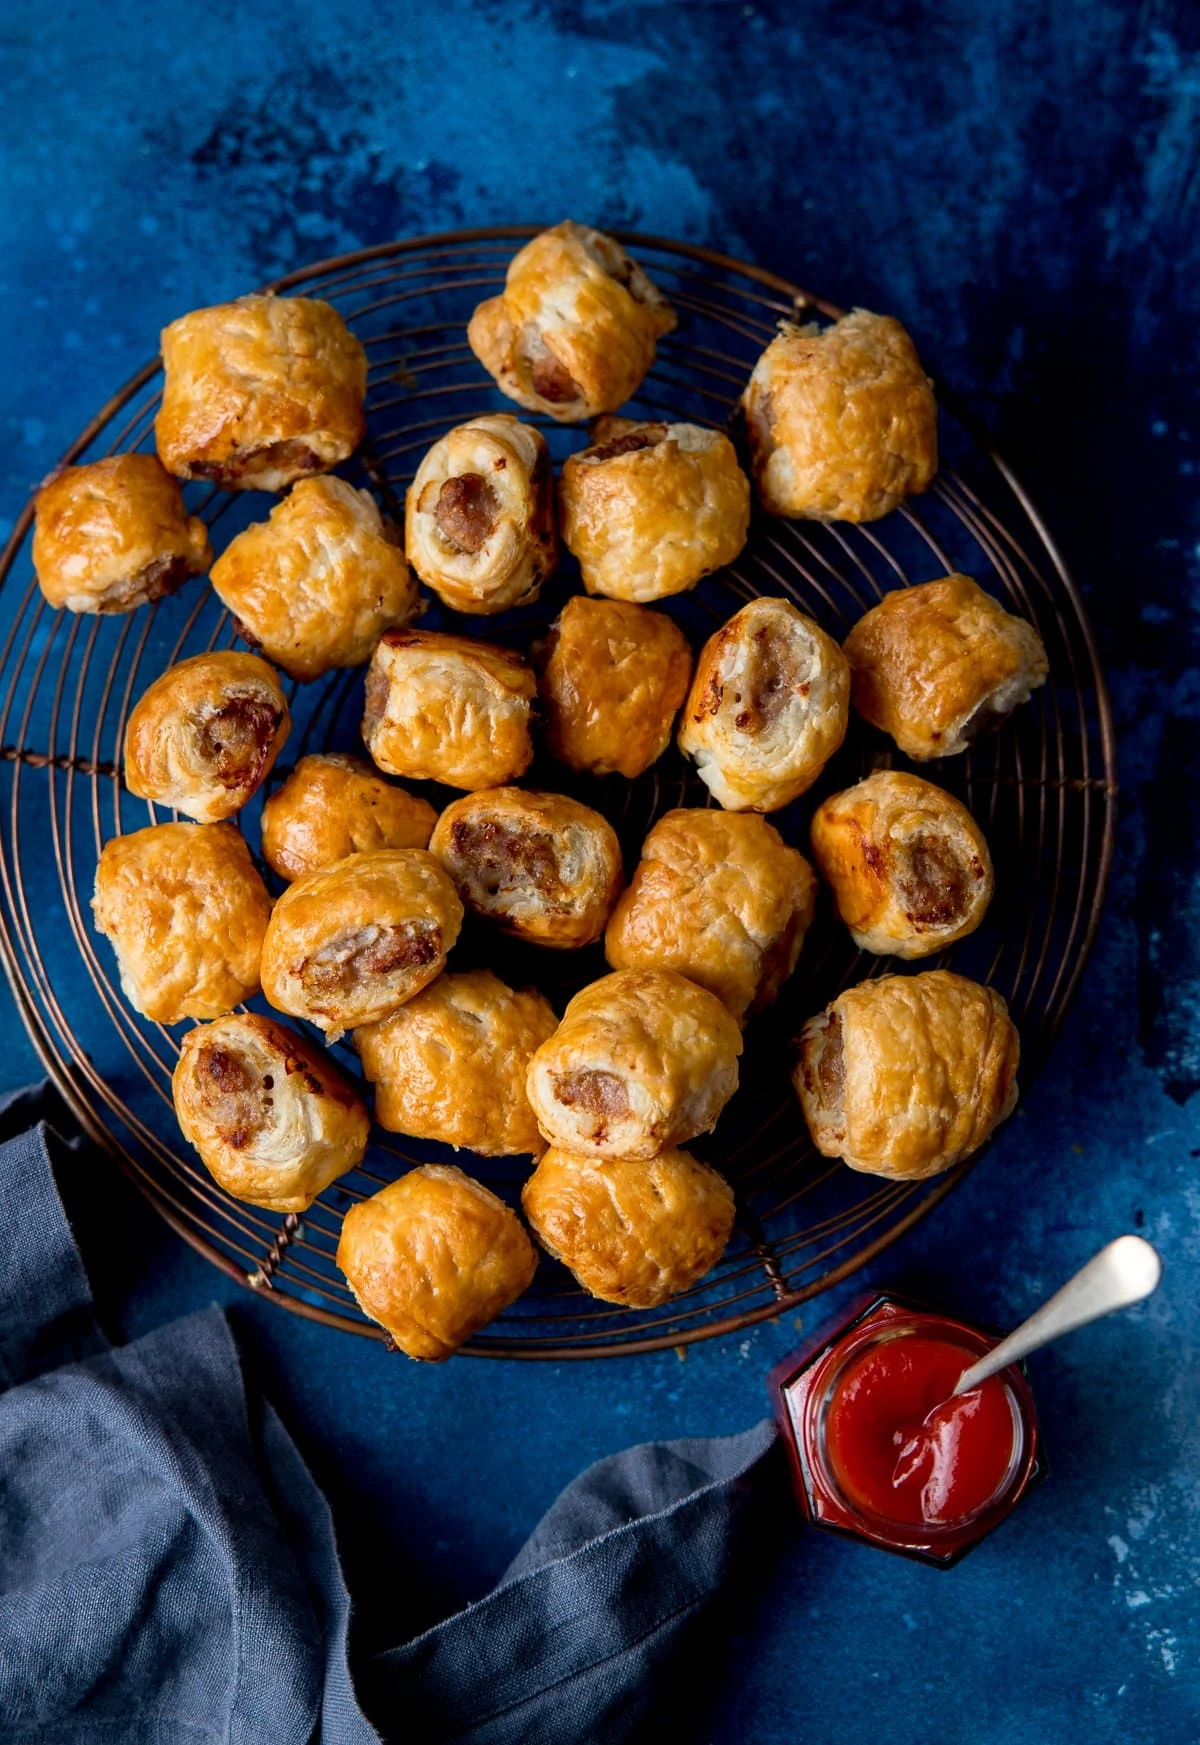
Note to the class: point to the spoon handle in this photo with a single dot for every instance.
(1122, 1273)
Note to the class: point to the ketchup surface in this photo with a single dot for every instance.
(901, 1449)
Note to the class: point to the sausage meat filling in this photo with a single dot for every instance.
(236, 1099)
(499, 860)
(933, 881)
(467, 511)
(291, 456)
(236, 738)
(593, 1091)
(368, 955)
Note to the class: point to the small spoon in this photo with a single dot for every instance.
(1122, 1273)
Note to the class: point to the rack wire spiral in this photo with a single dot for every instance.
(1043, 789)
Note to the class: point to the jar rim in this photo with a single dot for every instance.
(932, 1530)
(827, 1371)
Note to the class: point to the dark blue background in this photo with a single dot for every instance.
(1019, 184)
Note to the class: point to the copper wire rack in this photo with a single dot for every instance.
(1043, 789)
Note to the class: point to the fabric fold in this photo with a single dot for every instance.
(168, 1567)
(46, 1315)
(148, 1589)
(592, 1604)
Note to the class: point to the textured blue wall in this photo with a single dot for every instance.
(1019, 183)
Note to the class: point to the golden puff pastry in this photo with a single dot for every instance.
(206, 734)
(574, 330)
(317, 584)
(479, 521)
(842, 420)
(446, 709)
(643, 1060)
(632, 1231)
(908, 865)
(541, 866)
(768, 707)
(186, 914)
(719, 897)
(113, 534)
(333, 805)
(351, 943)
(650, 508)
(938, 665)
(433, 1257)
(272, 1118)
(259, 392)
(907, 1075)
(451, 1064)
(611, 679)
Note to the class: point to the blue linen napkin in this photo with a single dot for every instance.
(169, 1572)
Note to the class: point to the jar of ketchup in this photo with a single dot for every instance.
(881, 1451)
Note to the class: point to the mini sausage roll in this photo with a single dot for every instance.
(719, 897)
(842, 420)
(541, 866)
(574, 330)
(333, 805)
(650, 508)
(479, 522)
(205, 735)
(113, 534)
(768, 707)
(907, 1075)
(186, 914)
(643, 1060)
(259, 392)
(909, 866)
(451, 1064)
(316, 585)
(632, 1232)
(351, 943)
(446, 709)
(611, 679)
(272, 1118)
(938, 665)
(433, 1257)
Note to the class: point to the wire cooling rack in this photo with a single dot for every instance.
(1043, 790)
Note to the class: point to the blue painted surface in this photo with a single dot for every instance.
(1020, 185)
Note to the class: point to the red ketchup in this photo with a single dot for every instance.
(882, 1451)
(901, 1448)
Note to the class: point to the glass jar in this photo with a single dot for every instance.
(873, 1459)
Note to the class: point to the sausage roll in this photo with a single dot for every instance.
(316, 585)
(206, 734)
(540, 865)
(349, 944)
(642, 1061)
(446, 709)
(574, 330)
(451, 1064)
(938, 665)
(650, 508)
(333, 805)
(479, 523)
(719, 897)
(907, 1075)
(433, 1257)
(186, 914)
(611, 679)
(272, 1118)
(113, 534)
(909, 866)
(632, 1232)
(841, 420)
(768, 707)
(259, 392)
